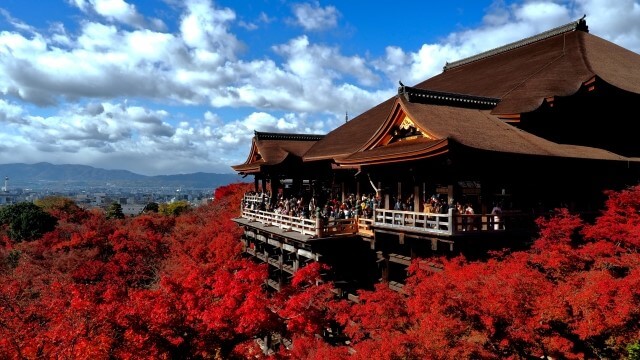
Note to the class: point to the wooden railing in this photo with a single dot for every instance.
(441, 224)
(285, 222)
(433, 223)
(338, 227)
(445, 224)
(255, 200)
(364, 226)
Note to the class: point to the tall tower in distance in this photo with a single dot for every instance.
(5, 188)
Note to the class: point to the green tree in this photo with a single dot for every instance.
(63, 208)
(114, 211)
(151, 207)
(633, 351)
(175, 208)
(26, 221)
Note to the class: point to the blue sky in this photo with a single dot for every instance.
(179, 86)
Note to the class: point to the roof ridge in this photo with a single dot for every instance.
(259, 135)
(417, 95)
(578, 25)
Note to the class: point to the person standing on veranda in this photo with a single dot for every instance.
(496, 212)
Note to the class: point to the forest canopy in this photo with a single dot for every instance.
(174, 285)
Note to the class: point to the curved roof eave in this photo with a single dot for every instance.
(524, 76)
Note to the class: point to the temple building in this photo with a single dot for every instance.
(512, 133)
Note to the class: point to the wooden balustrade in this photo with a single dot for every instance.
(364, 226)
(285, 222)
(432, 223)
(442, 224)
(446, 224)
(339, 226)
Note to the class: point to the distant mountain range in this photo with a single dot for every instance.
(48, 175)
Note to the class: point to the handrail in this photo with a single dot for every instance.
(433, 223)
(446, 224)
(255, 198)
(285, 222)
(442, 224)
(364, 226)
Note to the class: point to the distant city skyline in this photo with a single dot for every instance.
(168, 87)
(46, 176)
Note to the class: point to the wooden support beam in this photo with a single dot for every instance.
(400, 259)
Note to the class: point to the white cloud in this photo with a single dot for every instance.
(303, 86)
(248, 25)
(619, 22)
(15, 22)
(205, 28)
(313, 17)
(118, 11)
(10, 114)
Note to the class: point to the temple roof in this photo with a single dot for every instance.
(348, 138)
(270, 148)
(462, 104)
(465, 104)
(554, 63)
(580, 24)
(475, 128)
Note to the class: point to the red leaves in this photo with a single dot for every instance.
(305, 305)
(620, 221)
(165, 287)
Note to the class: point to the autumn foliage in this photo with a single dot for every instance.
(176, 286)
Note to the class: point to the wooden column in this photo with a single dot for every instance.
(383, 262)
(274, 192)
(280, 262)
(319, 227)
(416, 198)
(296, 186)
(296, 260)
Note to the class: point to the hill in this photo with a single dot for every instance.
(46, 175)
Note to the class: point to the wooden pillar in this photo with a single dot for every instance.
(399, 191)
(296, 260)
(274, 192)
(342, 189)
(386, 201)
(425, 196)
(296, 186)
(383, 262)
(319, 227)
(358, 197)
(416, 198)
(264, 184)
(280, 262)
(255, 182)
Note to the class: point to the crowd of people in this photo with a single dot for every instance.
(308, 207)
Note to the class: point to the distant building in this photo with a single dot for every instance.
(7, 198)
(132, 209)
